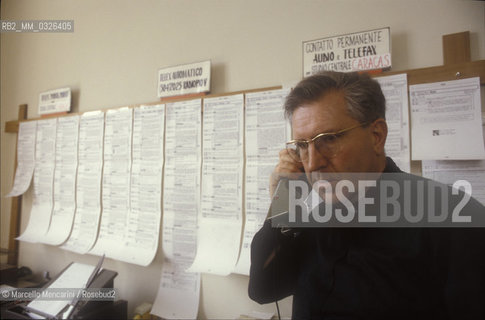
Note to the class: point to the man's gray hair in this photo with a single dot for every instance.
(365, 101)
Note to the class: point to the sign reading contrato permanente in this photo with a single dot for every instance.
(184, 79)
(367, 50)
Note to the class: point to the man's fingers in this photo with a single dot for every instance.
(290, 154)
(287, 168)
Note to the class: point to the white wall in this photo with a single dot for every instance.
(117, 47)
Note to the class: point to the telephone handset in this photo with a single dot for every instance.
(278, 211)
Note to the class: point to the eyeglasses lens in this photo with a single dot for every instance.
(326, 145)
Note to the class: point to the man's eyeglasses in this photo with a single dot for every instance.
(327, 144)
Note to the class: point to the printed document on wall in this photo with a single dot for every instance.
(64, 180)
(446, 120)
(25, 158)
(181, 200)
(178, 293)
(450, 171)
(116, 181)
(220, 217)
(267, 131)
(140, 242)
(88, 186)
(42, 203)
(395, 90)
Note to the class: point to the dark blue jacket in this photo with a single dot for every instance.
(373, 273)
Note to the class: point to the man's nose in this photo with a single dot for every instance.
(316, 160)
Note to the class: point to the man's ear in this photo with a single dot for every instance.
(379, 134)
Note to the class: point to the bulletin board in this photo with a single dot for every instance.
(457, 65)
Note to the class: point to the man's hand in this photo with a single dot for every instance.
(286, 168)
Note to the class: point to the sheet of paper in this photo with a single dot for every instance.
(178, 294)
(450, 171)
(140, 241)
(267, 131)
(115, 188)
(25, 158)
(182, 179)
(42, 200)
(88, 187)
(258, 315)
(75, 276)
(220, 217)
(446, 120)
(64, 180)
(395, 89)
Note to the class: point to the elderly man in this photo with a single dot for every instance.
(339, 127)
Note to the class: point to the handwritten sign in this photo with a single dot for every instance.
(360, 51)
(54, 101)
(184, 79)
